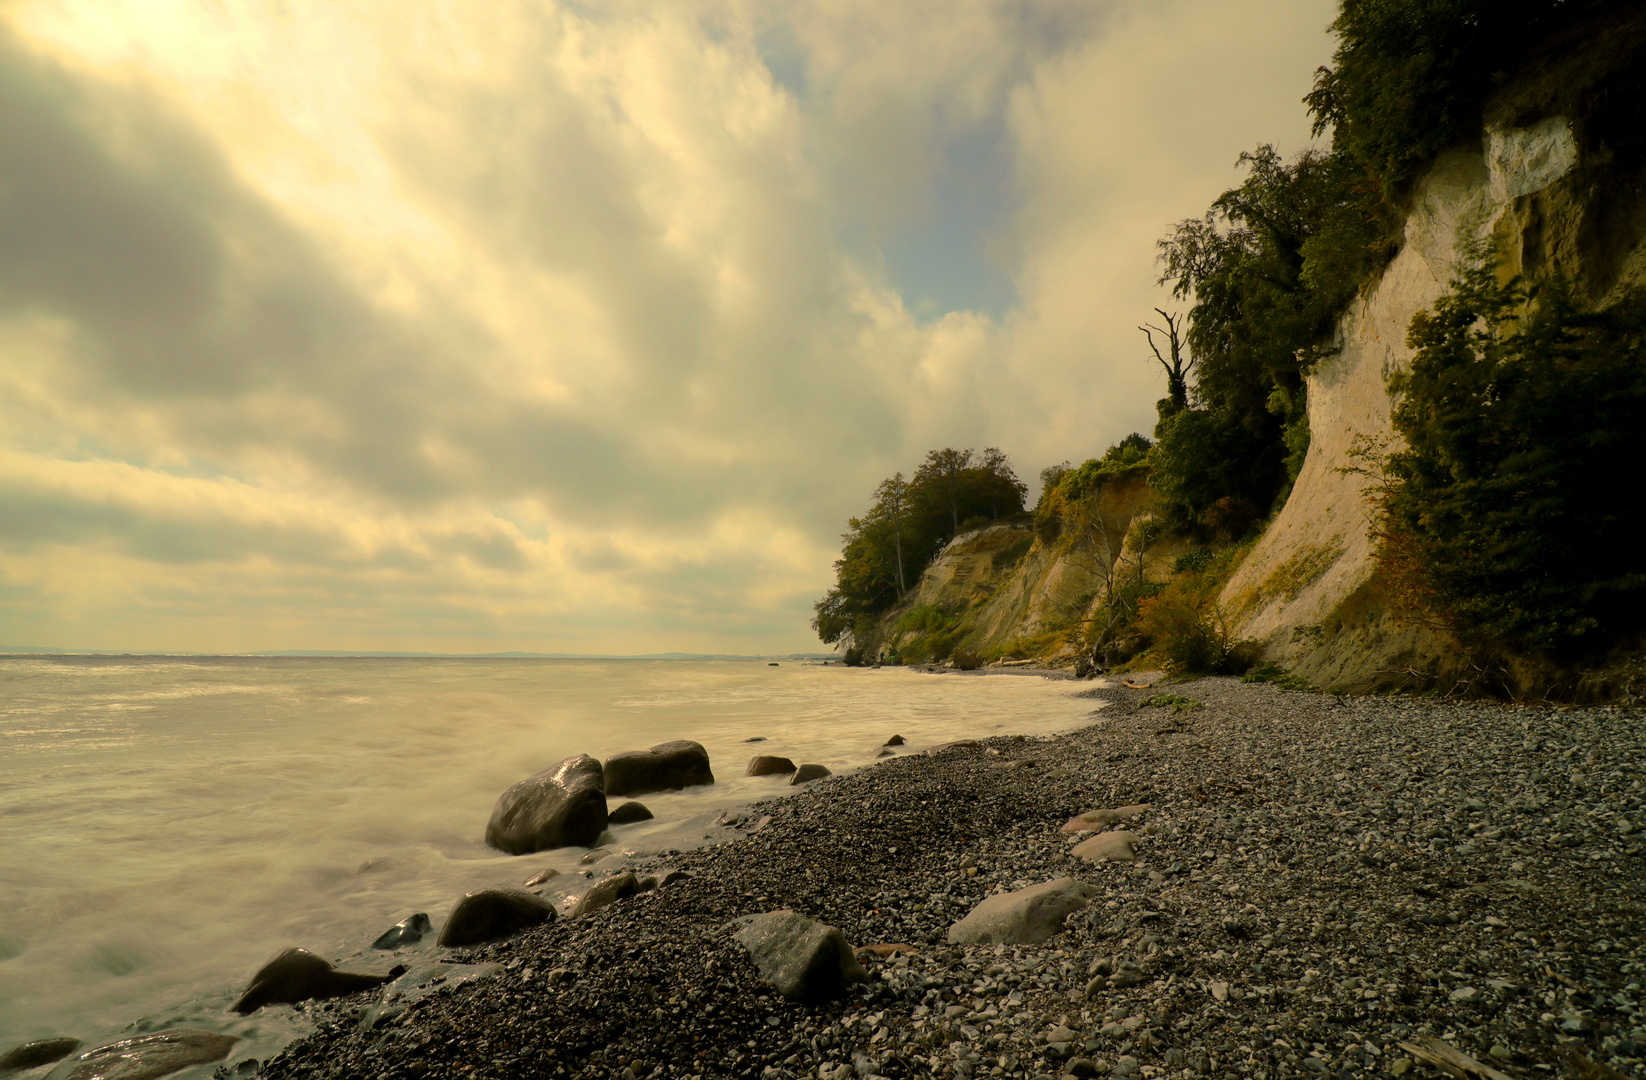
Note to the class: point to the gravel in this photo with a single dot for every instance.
(1319, 880)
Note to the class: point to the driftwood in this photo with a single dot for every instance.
(1450, 1060)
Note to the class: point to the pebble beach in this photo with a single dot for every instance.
(1321, 886)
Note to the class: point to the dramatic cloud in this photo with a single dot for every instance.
(566, 327)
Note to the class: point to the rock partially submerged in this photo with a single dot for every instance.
(805, 960)
(408, 931)
(629, 813)
(560, 807)
(766, 765)
(895, 740)
(667, 766)
(1025, 917)
(32, 1055)
(492, 914)
(958, 744)
(548, 873)
(298, 975)
(147, 1057)
(807, 773)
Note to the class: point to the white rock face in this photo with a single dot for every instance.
(1318, 550)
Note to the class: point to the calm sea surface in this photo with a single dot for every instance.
(166, 824)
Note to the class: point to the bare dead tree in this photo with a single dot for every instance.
(1180, 364)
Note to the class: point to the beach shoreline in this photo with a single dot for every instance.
(1319, 881)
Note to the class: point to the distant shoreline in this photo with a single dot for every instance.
(368, 654)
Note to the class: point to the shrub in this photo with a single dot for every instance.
(854, 657)
(1504, 514)
(966, 660)
(1189, 631)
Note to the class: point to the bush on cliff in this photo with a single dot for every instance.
(1504, 516)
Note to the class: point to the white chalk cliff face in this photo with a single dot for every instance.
(1318, 550)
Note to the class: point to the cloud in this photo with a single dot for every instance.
(566, 327)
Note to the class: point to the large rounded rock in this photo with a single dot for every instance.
(147, 1057)
(766, 765)
(493, 913)
(560, 807)
(34, 1054)
(1025, 917)
(807, 773)
(606, 893)
(805, 960)
(629, 813)
(299, 975)
(667, 766)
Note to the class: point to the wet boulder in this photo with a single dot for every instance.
(667, 766)
(808, 773)
(34, 1054)
(606, 893)
(629, 813)
(766, 765)
(492, 914)
(895, 740)
(408, 931)
(147, 1057)
(560, 807)
(299, 975)
(1025, 917)
(805, 960)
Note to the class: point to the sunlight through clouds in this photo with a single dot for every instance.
(555, 327)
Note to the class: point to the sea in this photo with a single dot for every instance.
(169, 823)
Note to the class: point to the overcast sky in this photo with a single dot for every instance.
(567, 327)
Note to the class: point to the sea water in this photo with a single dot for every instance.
(168, 823)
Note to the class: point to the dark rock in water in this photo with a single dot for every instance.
(805, 960)
(895, 740)
(39, 1052)
(809, 772)
(299, 975)
(629, 813)
(883, 752)
(545, 874)
(667, 766)
(606, 893)
(771, 665)
(560, 807)
(593, 857)
(408, 931)
(769, 766)
(147, 1057)
(756, 738)
(493, 913)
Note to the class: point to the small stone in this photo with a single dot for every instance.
(1501, 1052)
(1107, 847)
(1401, 1066)
(606, 893)
(895, 740)
(1097, 820)
(808, 773)
(1465, 994)
(546, 874)
(629, 813)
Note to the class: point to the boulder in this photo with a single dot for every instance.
(559, 807)
(667, 766)
(805, 960)
(34, 1054)
(809, 772)
(958, 744)
(629, 813)
(1025, 917)
(147, 1057)
(299, 975)
(606, 893)
(769, 766)
(1097, 820)
(895, 740)
(408, 931)
(1107, 847)
(493, 913)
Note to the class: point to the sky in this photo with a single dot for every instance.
(568, 326)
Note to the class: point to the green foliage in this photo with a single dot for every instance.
(908, 523)
(1187, 630)
(927, 619)
(1521, 413)
(1279, 676)
(1192, 562)
(1175, 702)
(965, 660)
(1067, 487)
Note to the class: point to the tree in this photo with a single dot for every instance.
(941, 472)
(892, 499)
(1178, 369)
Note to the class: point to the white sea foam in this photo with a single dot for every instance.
(166, 825)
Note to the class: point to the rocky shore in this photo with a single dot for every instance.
(1322, 886)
